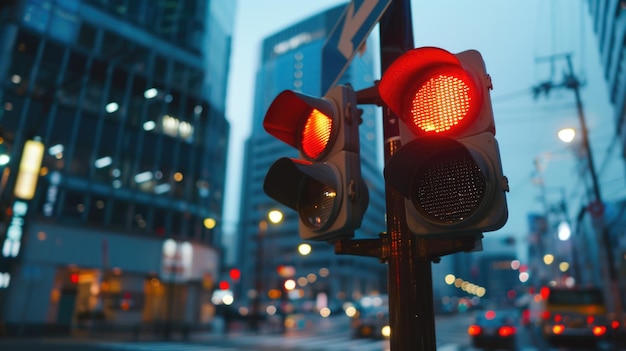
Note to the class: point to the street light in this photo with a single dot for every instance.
(567, 135)
(564, 231)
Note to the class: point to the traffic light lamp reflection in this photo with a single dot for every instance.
(316, 134)
(317, 203)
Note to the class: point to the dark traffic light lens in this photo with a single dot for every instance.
(317, 204)
(450, 188)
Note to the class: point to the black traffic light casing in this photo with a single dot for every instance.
(448, 168)
(324, 186)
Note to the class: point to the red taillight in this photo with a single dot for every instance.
(558, 318)
(74, 278)
(558, 328)
(316, 134)
(590, 319)
(545, 315)
(443, 102)
(599, 330)
(506, 331)
(490, 315)
(614, 324)
(474, 330)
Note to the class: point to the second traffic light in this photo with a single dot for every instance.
(324, 185)
(448, 168)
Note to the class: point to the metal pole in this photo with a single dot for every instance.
(572, 83)
(411, 313)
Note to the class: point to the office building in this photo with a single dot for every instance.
(129, 114)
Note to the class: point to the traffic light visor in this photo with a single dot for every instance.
(431, 90)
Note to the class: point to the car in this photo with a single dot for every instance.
(494, 329)
(575, 316)
(372, 323)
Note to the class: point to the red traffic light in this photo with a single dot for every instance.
(234, 274)
(437, 92)
(303, 122)
(448, 168)
(74, 278)
(324, 186)
(315, 134)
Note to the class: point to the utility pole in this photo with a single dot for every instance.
(596, 207)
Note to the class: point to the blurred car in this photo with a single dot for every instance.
(575, 316)
(372, 323)
(494, 329)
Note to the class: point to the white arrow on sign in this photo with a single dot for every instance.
(347, 36)
(352, 24)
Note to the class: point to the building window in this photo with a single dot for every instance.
(73, 205)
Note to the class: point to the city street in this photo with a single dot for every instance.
(332, 334)
(327, 334)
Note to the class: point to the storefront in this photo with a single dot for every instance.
(69, 279)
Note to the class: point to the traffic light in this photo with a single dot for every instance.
(324, 186)
(448, 168)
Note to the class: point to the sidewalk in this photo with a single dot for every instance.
(296, 324)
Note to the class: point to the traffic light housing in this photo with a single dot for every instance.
(324, 186)
(448, 168)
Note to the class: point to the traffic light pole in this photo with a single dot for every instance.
(408, 248)
(411, 311)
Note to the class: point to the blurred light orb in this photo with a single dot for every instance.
(304, 249)
(564, 232)
(548, 259)
(567, 135)
(325, 312)
(275, 216)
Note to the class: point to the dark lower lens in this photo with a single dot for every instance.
(450, 189)
(317, 203)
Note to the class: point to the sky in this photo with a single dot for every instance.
(514, 38)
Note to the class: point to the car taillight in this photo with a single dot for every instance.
(474, 330)
(614, 324)
(599, 330)
(558, 318)
(545, 315)
(558, 329)
(506, 331)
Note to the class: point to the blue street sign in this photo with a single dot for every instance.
(351, 30)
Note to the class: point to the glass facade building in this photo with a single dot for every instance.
(292, 59)
(609, 24)
(131, 114)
